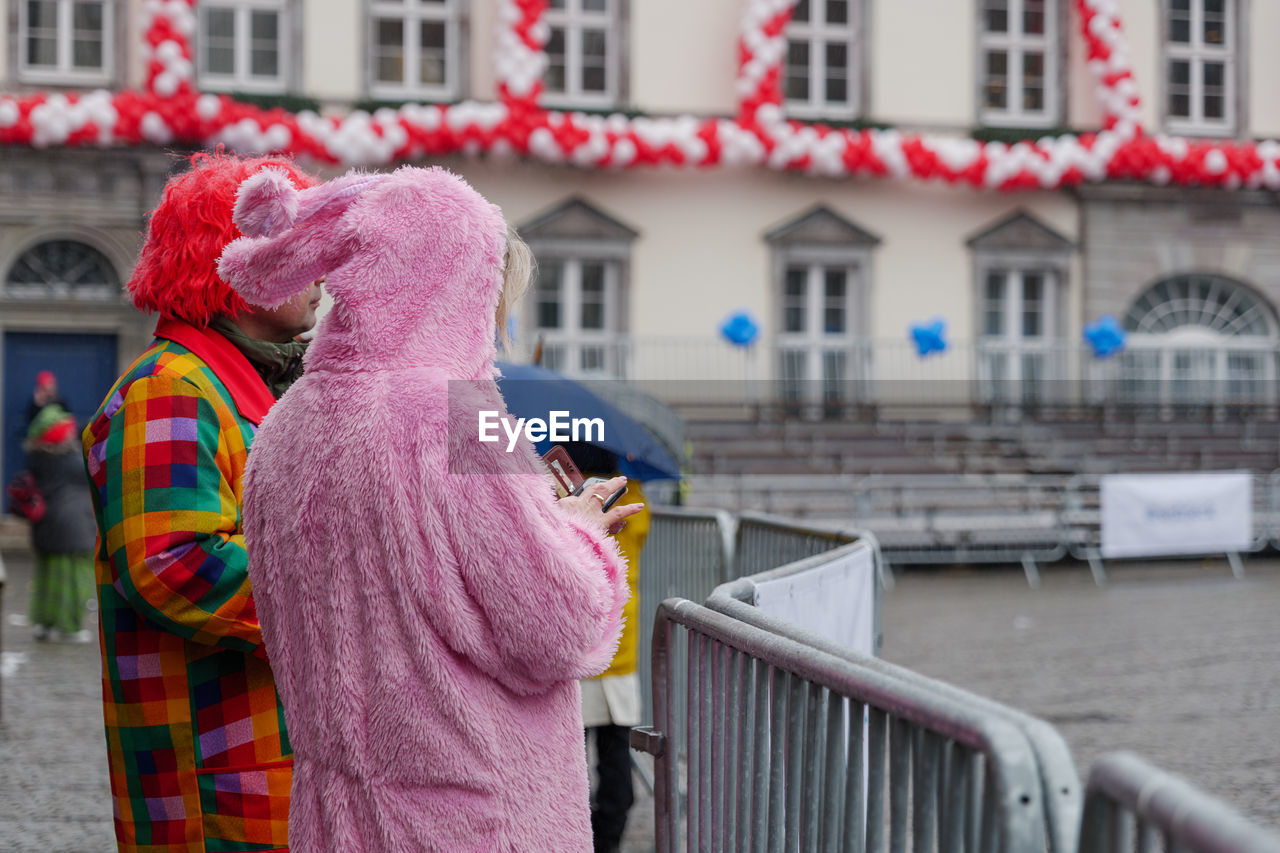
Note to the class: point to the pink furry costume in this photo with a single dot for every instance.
(426, 605)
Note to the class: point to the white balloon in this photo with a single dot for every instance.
(9, 113)
(208, 106)
(166, 84)
(1215, 162)
(624, 152)
(154, 129)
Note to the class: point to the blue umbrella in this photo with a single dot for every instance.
(535, 392)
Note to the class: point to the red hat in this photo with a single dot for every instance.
(177, 270)
(46, 379)
(52, 426)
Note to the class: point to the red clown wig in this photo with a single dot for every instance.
(177, 270)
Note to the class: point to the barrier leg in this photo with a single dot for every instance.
(1095, 566)
(1033, 573)
(1237, 567)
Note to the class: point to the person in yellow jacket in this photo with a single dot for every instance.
(611, 700)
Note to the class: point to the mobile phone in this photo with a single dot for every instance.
(568, 479)
(609, 501)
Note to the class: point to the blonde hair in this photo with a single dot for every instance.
(517, 273)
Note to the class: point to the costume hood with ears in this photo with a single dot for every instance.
(413, 261)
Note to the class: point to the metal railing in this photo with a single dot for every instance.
(789, 747)
(1060, 789)
(763, 542)
(1132, 807)
(989, 371)
(767, 736)
(687, 554)
(1032, 519)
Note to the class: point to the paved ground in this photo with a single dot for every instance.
(1179, 663)
(1176, 662)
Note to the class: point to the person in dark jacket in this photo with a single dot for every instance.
(64, 537)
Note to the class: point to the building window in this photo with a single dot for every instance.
(416, 48)
(817, 341)
(1021, 269)
(65, 40)
(1018, 307)
(1198, 339)
(1200, 66)
(62, 269)
(1019, 57)
(583, 48)
(821, 265)
(577, 314)
(243, 45)
(821, 77)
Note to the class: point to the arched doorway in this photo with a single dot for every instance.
(52, 285)
(1200, 338)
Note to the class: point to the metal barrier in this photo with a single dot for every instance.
(686, 555)
(939, 519)
(763, 542)
(775, 731)
(1132, 806)
(1082, 520)
(1060, 789)
(966, 519)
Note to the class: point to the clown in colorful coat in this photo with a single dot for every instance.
(197, 747)
(427, 604)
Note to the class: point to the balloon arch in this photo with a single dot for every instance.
(170, 110)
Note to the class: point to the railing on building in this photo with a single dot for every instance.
(990, 372)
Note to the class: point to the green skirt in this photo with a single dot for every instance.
(60, 588)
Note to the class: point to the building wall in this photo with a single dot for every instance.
(689, 67)
(1137, 236)
(1264, 70)
(698, 260)
(923, 63)
(334, 53)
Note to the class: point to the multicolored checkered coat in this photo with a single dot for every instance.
(198, 753)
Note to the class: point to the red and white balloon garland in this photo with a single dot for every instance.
(171, 110)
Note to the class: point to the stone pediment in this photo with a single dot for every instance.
(821, 227)
(1020, 232)
(575, 219)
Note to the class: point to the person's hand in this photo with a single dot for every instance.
(585, 507)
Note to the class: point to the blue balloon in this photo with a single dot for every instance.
(740, 329)
(930, 337)
(1105, 335)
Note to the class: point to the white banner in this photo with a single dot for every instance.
(1149, 515)
(836, 600)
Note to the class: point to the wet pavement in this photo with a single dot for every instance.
(1178, 662)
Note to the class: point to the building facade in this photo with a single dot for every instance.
(840, 171)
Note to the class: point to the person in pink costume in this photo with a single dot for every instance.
(426, 603)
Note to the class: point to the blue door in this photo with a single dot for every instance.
(84, 364)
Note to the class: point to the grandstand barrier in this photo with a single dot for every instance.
(940, 519)
(1133, 807)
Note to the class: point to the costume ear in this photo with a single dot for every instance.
(266, 204)
(294, 237)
